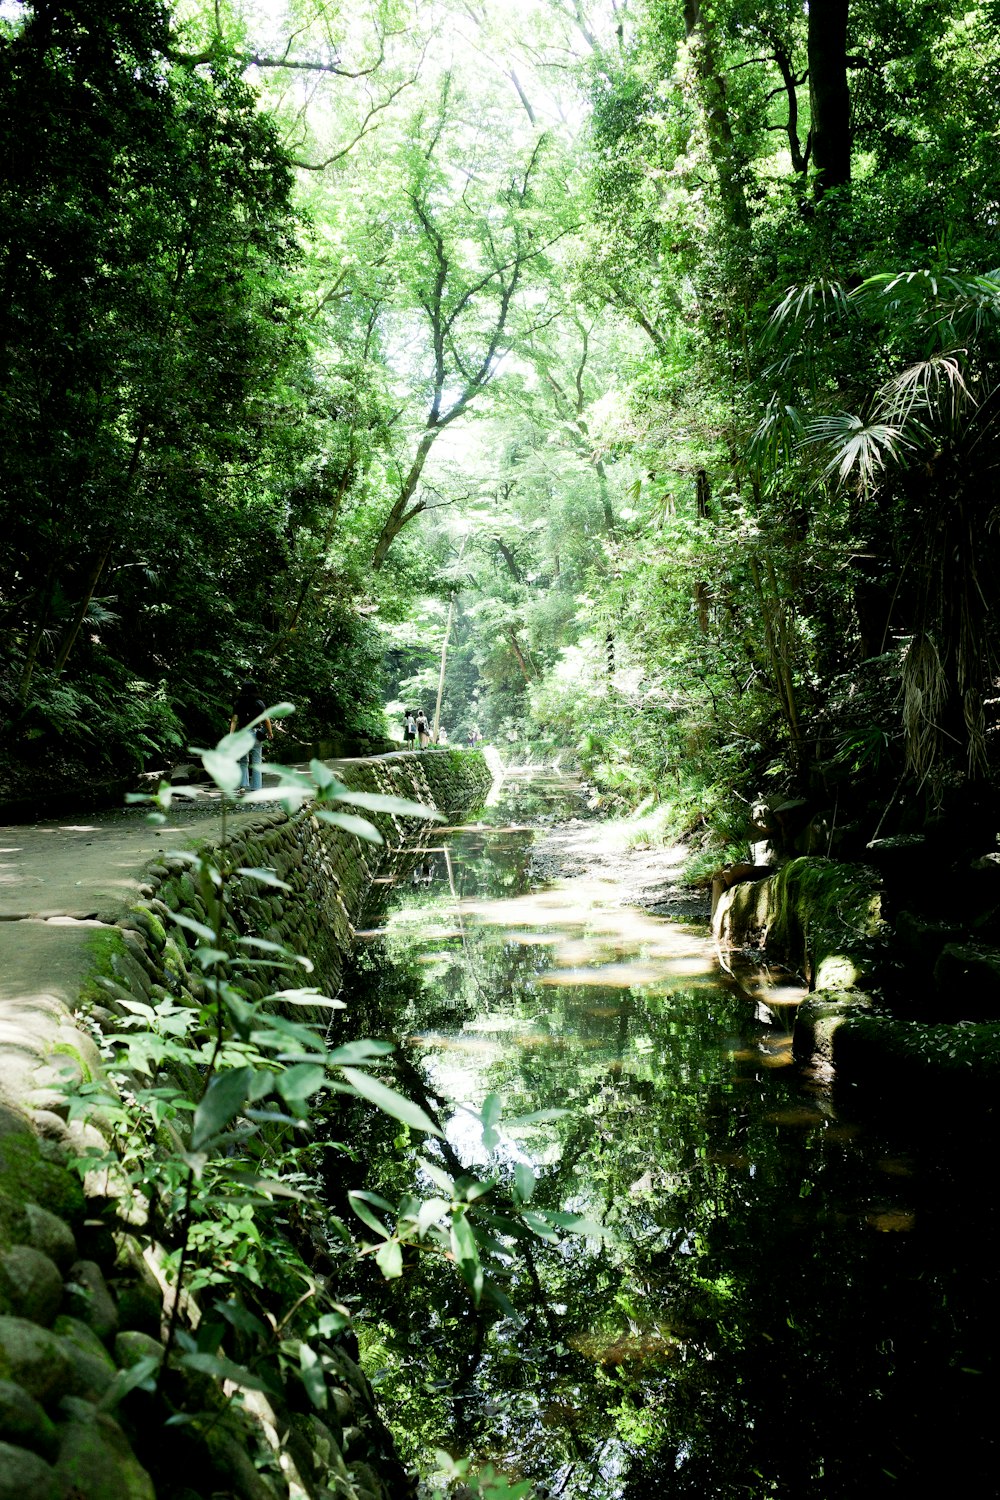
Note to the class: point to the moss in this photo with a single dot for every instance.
(820, 916)
(26, 1177)
(934, 1064)
(67, 1049)
(151, 926)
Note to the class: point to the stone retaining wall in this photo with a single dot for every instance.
(82, 1295)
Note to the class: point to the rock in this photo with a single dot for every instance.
(25, 1476)
(132, 1346)
(342, 1403)
(13, 1122)
(967, 977)
(31, 1284)
(150, 925)
(817, 1019)
(23, 1421)
(95, 1460)
(921, 939)
(92, 1303)
(91, 1368)
(33, 1358)
(140, 1308)
(50, 1234)
(132, 975)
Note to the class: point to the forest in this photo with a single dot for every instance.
(649, 350)
(617, 381)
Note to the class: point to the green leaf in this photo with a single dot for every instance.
(466, 1253)
(322, 775)
(431, 1211)
(308, 997)
(263, 877)
(389, 1259)
(360, 827)
(358, 1052)
(224, 771)
(401, 806)
(298, 1084)
(225, 1369)
(389, 1101)
(191, 925)
(311, 1371)
(540, 1226)
(364, 1213)
(524, 1181)
(232, 746)
(224, 1099)
(439, 1176)
(141, 1375)
(577, 1224)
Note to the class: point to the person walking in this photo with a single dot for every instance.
(250, 705)
(423, 729)
(409, 730)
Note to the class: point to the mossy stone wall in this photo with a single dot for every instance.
(81, 1303)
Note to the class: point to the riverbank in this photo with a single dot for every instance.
(646, 877)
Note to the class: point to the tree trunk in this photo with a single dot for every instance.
(520, 656)
(715, 107)
(829, 97)
(70, 638)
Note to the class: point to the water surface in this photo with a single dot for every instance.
(794, 1296)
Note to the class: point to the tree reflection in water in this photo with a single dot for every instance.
(788, 1304)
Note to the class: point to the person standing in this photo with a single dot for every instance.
(423, 729)
(250, 705)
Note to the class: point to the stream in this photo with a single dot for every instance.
(793, 1294)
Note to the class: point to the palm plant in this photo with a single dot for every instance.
(919, 448)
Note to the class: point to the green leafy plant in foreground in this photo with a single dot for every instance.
(207, 1112)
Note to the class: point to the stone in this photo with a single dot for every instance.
(91, 1368)
(342, 1403)
(26, 1476)
(23, 1421)
(150, 925)
(132, 1346)
(136, 944)
(92, 1303)
(48, 1233)
(818, 1018)
(33, 1358)
(920, 940)
(967, 979)
(31, 1284)
(140, 1308)
(50, 1127)
(95, 1461)
(132, 975)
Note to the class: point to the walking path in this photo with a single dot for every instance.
(61, 878)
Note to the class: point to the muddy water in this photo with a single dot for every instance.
(790, 1297)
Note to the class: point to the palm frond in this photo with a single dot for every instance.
(934, 388)
(807, 307)
(858, 449)
(776, 436)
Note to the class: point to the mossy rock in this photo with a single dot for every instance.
(939, 1069)
(27, 1178)
(819, 916)
(967, 980)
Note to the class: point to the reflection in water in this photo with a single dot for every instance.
(788, 1302)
